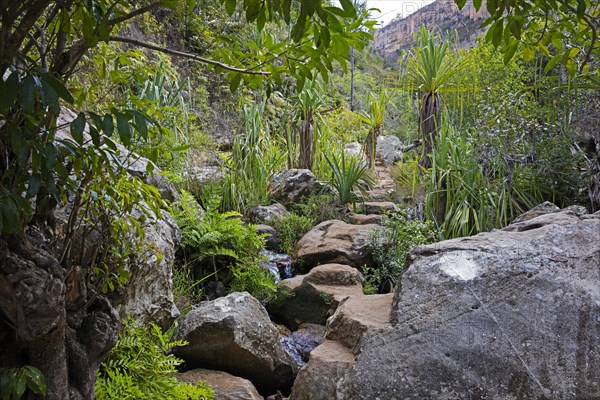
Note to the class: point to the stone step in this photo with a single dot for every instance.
(356, 315)
(317, 380)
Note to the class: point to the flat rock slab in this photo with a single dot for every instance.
(357, 315)
(335, 241)
(225, 386)
(513, 313)
(313, 298)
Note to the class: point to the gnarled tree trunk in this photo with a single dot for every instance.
(50, 320)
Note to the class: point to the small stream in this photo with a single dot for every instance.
(279, 264)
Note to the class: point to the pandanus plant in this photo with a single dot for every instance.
(375, 117)
(430, 68)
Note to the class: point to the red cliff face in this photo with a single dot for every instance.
(442, 16)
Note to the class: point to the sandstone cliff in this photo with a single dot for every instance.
(441, 15)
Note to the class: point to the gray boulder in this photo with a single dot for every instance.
(390, 149)
(513, 313)
(293, 185)
(148, 295)
(267, 214)
(353, 149)
(234, 334)
(335, 241)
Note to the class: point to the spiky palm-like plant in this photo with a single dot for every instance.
(377, 105)
(310, 99)
(430, 68)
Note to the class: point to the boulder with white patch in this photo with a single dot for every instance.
(513, 313)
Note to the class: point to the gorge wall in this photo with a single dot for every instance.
(443, 16)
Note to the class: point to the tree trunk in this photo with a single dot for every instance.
(306, 143)
(430, 119)
(371, 145)
(52, 322)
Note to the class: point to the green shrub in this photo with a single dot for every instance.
(390, 246)
(139, 368)
(291, 228)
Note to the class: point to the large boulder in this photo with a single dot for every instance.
(225, 386)
(389, 149)
(148, 295)
(313, 298)
(335, 241)
(293, 185)
(513, 313)
(234, 334)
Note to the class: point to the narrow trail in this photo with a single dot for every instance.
(384, 181)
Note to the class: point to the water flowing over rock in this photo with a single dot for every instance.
(513, 313)
(234, 334)
(293, 185)
(335, 241)
(225, 386)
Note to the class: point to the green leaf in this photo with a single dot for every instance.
(553, 61)
(28, 95)
(124, 129)
(497, 30)
(141, 124)
(461, 3)
(350, 10)
(230, 7)
(510, 52)
(108, 125)
(236, 78)
(50, 98)
(77, 127)
(581, 7)
(477, 4)
(35, 380)
(59, 87)
(34, 185)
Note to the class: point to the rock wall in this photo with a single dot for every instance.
(442, 16)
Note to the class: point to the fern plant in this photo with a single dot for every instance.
(140, 367)
(219, 244)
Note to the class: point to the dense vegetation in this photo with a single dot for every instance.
(244, 90)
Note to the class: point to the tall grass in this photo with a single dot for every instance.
(349, 177)
(462, 200)
(254, 158)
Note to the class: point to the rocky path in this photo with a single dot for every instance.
(355, 315)
(385, 182)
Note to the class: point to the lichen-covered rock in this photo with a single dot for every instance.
(513, 313)
(389, 149)
(225, 386)
(234, 334)
(267, 214)
(293, 185)
(335, 241)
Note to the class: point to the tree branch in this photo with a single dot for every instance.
(134, 14)
(186, 55)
